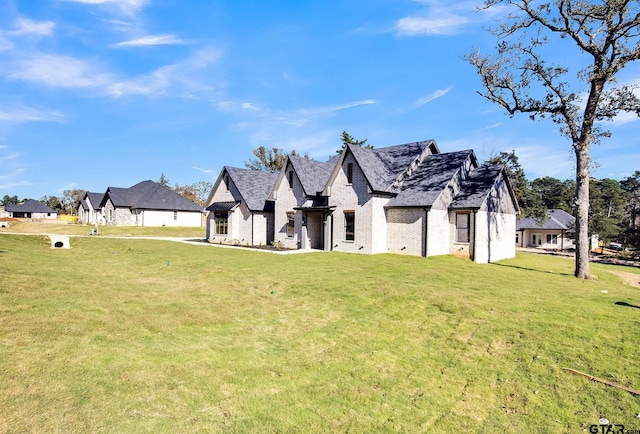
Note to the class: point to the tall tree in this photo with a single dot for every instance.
(606, 209)
(522, 80)
(185, 191)
(530, 202)
(201, 190)
(631, 188)
(71, 200)
(163, 181)
(268, 160)
(6, 200)
(348, 139)
(555, 194)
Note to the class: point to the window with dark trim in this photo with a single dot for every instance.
(349, 173)
(291, 179)
(349, 225)
(290, 224)
(462, 227)
(552, 239)
(220, 223)
(175, 215)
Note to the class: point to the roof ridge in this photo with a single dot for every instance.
(413, 166)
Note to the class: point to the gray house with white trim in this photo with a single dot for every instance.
(30, 209)
(149, 204)
(555, 232)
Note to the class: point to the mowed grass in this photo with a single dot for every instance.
(128, 335)
(58, 227)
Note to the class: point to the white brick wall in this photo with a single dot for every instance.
(405, 233)
(353, 197)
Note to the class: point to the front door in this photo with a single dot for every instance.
(314, 230)
(536, 240)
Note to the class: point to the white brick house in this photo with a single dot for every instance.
(405, 199)
(238, 211)
(148, 204)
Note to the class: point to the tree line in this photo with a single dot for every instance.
(614, 206)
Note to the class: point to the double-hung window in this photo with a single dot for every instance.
(462, 227)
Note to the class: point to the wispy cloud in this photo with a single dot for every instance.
(440, 18)
(199, 169)
(126, 7)
(26, 114)
(25, 26)
(433, 96)
(151, 40)
(58, 71)
(345, 106)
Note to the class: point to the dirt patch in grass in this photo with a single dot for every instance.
(632, 279)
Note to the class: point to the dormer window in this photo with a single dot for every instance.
(349, 173)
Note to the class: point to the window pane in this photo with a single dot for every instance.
(290, 224)
(349, 225)
(220, 223)
(462, 228)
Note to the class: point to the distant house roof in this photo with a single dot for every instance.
(148, 195)
(91, 201)
(556, 219)
(253, 185)
(31, 206)
(429, 180)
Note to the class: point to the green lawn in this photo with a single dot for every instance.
(78, 229)
(130, 336)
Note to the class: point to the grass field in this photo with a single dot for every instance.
(130, 336)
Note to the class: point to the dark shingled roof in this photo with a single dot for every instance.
(149, 195)
(254, 186)
(382, 166)
(477, 186)
(94, 198)
(313, 174)
(556, 219)
(30, 205)
(222, 206)
(428, 181)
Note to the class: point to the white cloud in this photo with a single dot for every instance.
(25, 26)
(445, 18)
(435, 95)
(349, 105)
(199, 169)
(447, 24)
(58, 71)
(126, 7)
(151, 40)
(25, 114)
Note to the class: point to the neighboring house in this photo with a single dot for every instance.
(148, 204)
(407, 199)
(89, 210)
(555, 232)
(31, 209)
(238, 209)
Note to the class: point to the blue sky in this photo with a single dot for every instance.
(100, 93)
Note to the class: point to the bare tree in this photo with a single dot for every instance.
(269, 160)
(522, 80)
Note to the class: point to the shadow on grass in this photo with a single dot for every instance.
(624, 303)
(532, 269)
